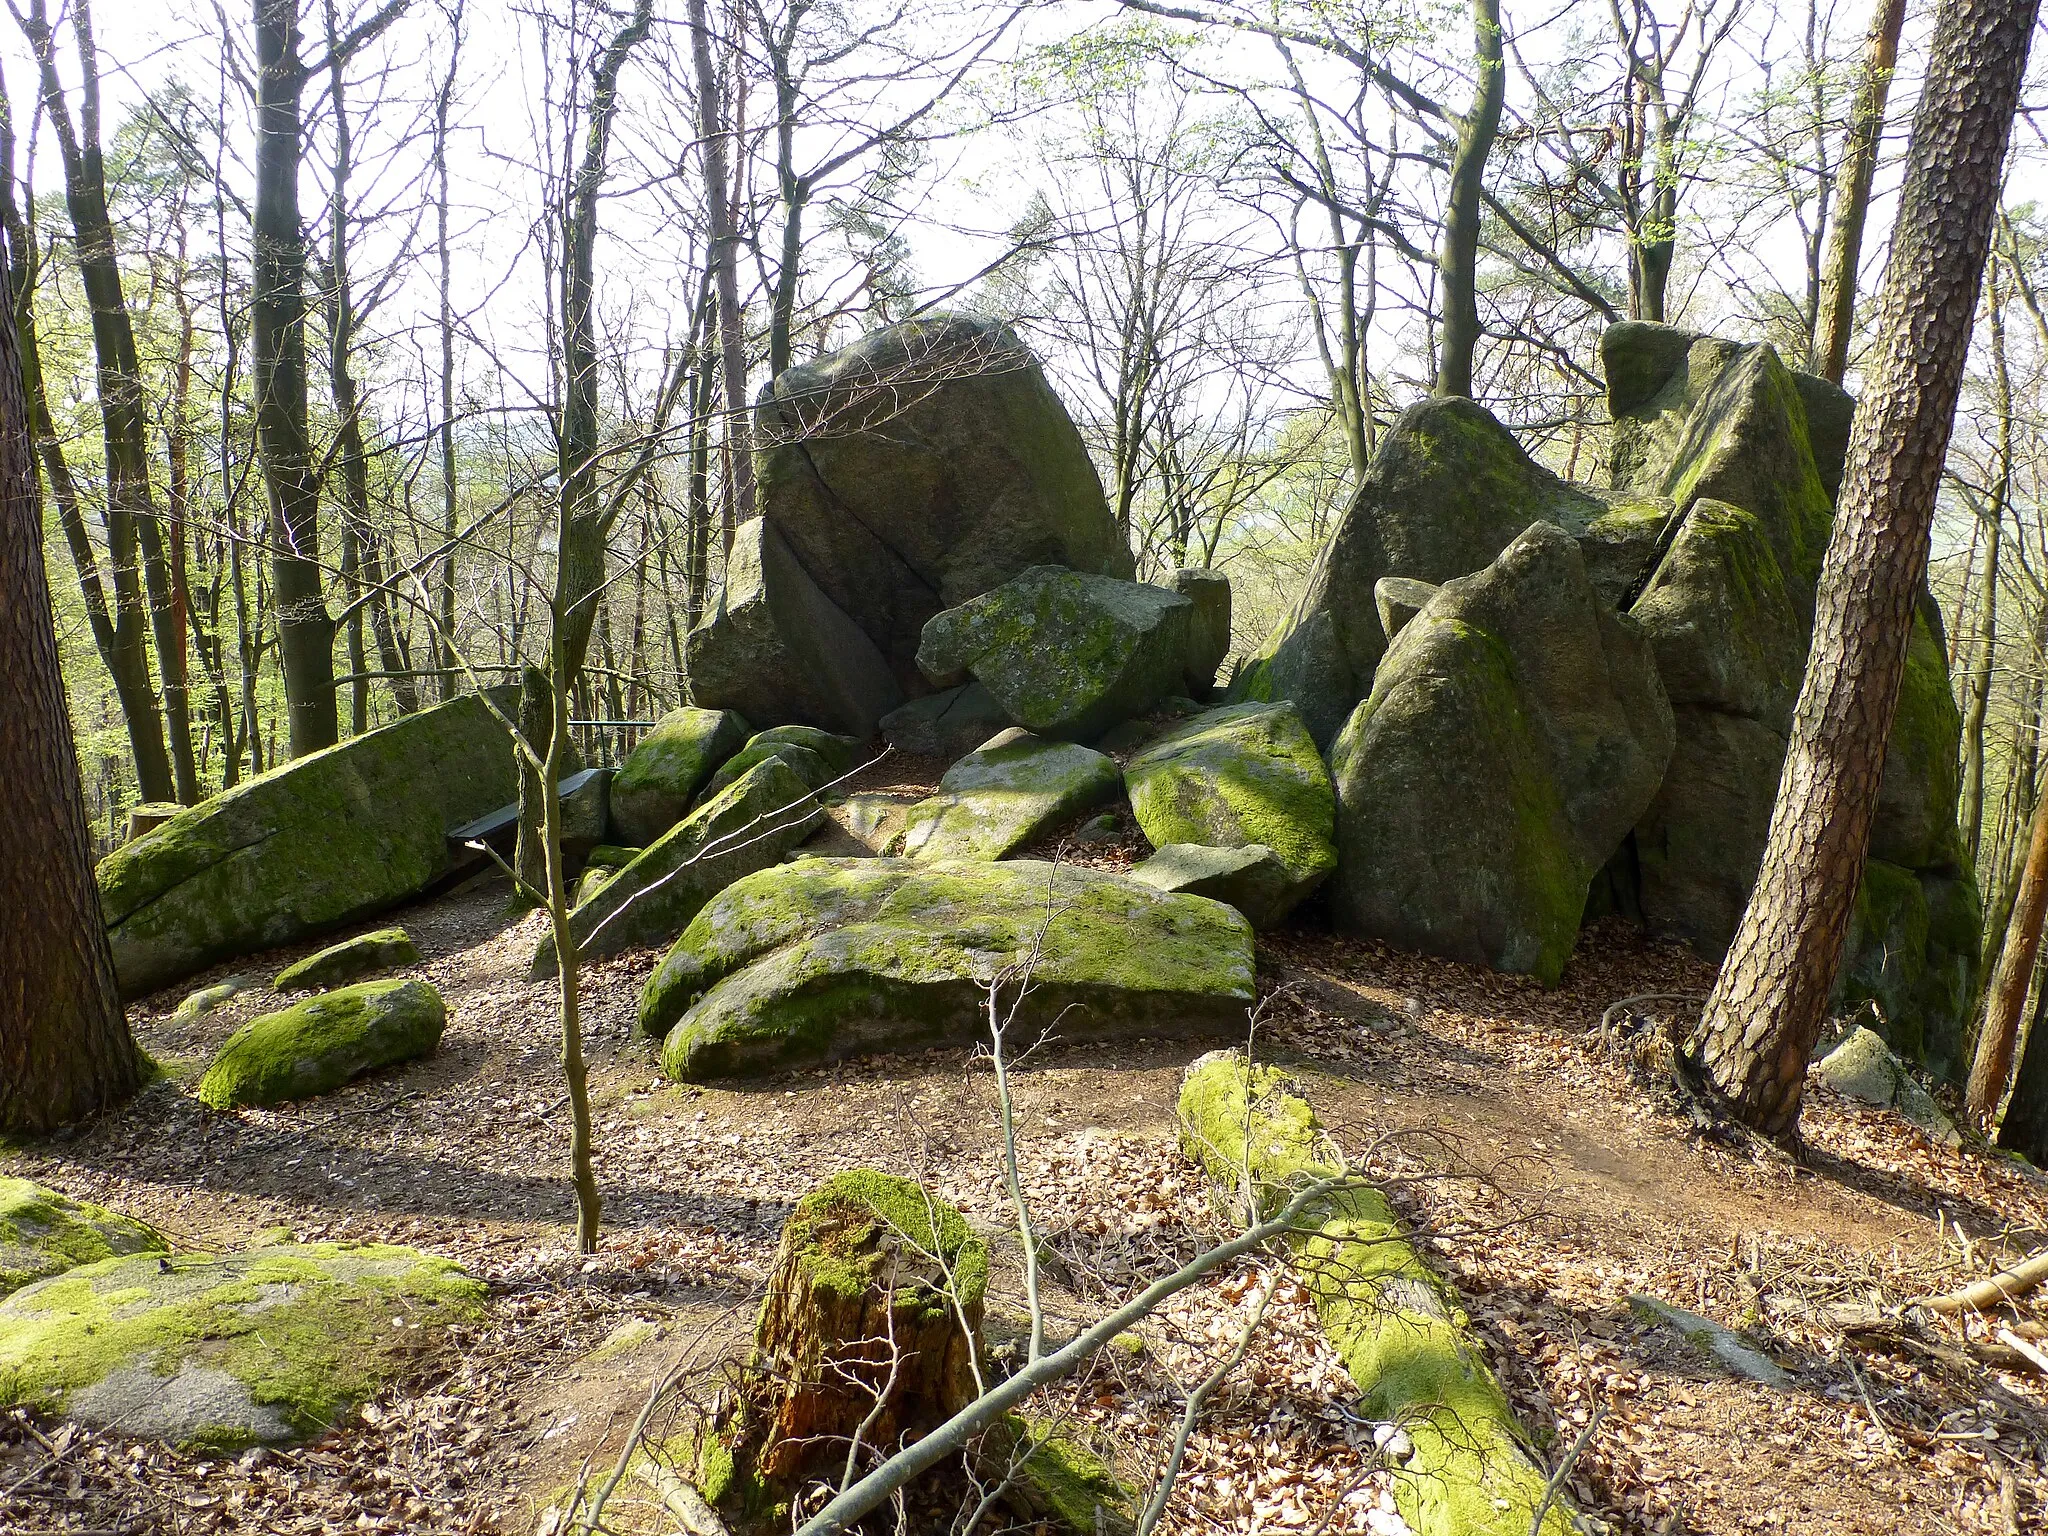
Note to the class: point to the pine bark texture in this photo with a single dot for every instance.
(65, 1050)
(1771, 998)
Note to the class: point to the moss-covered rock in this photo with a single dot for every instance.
(1209, 634)
(825, 958)
(324, 840)
(777, 649)
(1399, 1329)
(1515, 732)
(745, 827)
(1446, 492)
(366, 954)
(1398, 599)
(197, 1005)
(43, 1233)
(216, 1354)
(1254, 879)
(1239, 775)
(1016, 788)
(924, 465)
(818, 757)
(1064, 653)
(317, 1045)
(662, 775)
(1916, 802)
(1862, 1066)
(947, 724)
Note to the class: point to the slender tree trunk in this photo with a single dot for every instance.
(119, 383)
(1979, 696)
(724, 255)
(1770, 1000)
(1852, 200)
(1998, 1038)
(65, 1051)
(1459, 260)
(444, 100)
(277, 332)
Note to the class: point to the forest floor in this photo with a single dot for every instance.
(1550, 1181)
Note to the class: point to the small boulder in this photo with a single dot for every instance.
(747, 825)
(947, 724)
(367, 954)
(1209, 635)
(1724, 1346)
(317, 1045)
(1015, 788)
(826, 958)
(776, 648)
(197, 1005)
(662, 775)
(869, 821)
(1253, 878)
(1065, 654)
(43, 1233)
(1515, 732)
(215, 1354)
(1242, 774)
(818, 756)
(924, 465)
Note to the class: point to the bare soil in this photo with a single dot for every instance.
(1547, 1177)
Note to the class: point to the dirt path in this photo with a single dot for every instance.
(1550, 1184)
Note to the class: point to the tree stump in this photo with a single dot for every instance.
(867, 1336)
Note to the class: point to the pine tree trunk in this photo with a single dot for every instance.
(1770, 1000)
(65, 1051)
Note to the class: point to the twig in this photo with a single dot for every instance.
(1554, 1484)
(1871, 1407)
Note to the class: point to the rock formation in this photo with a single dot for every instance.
(1012, 790)
(662, 775)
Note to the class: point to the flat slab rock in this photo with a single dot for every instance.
(43, 1233)
(1014, 788)
(1253, 879)
(215, 1354)
(824, 958)
(317, 1045)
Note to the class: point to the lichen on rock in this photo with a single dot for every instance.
(1015, 788)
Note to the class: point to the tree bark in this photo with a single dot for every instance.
(65, 1051)
(444, 101)
(1771, 997)
(1458, 263)
(724, 255)
(277, 333)
(1999, 1036)
(1852, 201)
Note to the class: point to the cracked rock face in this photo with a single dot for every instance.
(923, 465)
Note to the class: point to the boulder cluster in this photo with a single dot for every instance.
(1504, 703)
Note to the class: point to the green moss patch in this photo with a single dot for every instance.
(323, 1042)
(654, 786)
(1397, 1327)
(43, 1233)
(216, 1354)
(1012, 790)
(364, 955)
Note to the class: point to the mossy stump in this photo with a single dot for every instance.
(868, 1333)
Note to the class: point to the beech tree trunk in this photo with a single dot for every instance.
(65, 1051)
(1459, 262)
(1852, 200)
(1771, 998)
(724, 255)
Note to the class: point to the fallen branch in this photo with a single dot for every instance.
(2006, 1285)
(2033, 1355)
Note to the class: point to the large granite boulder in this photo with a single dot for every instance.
(1017, 787)
(775, 648)
(1067, 654)
(43, 1233)
(818, 757)
(1235, 776)
(746, 826)
(215, 1354)
(1515, 732)
(924, 465)
(315, 1046)
(825, 958)
(1209, 636)
(661, 776)
(322, 841)
(1446, 492)
(948, 724)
